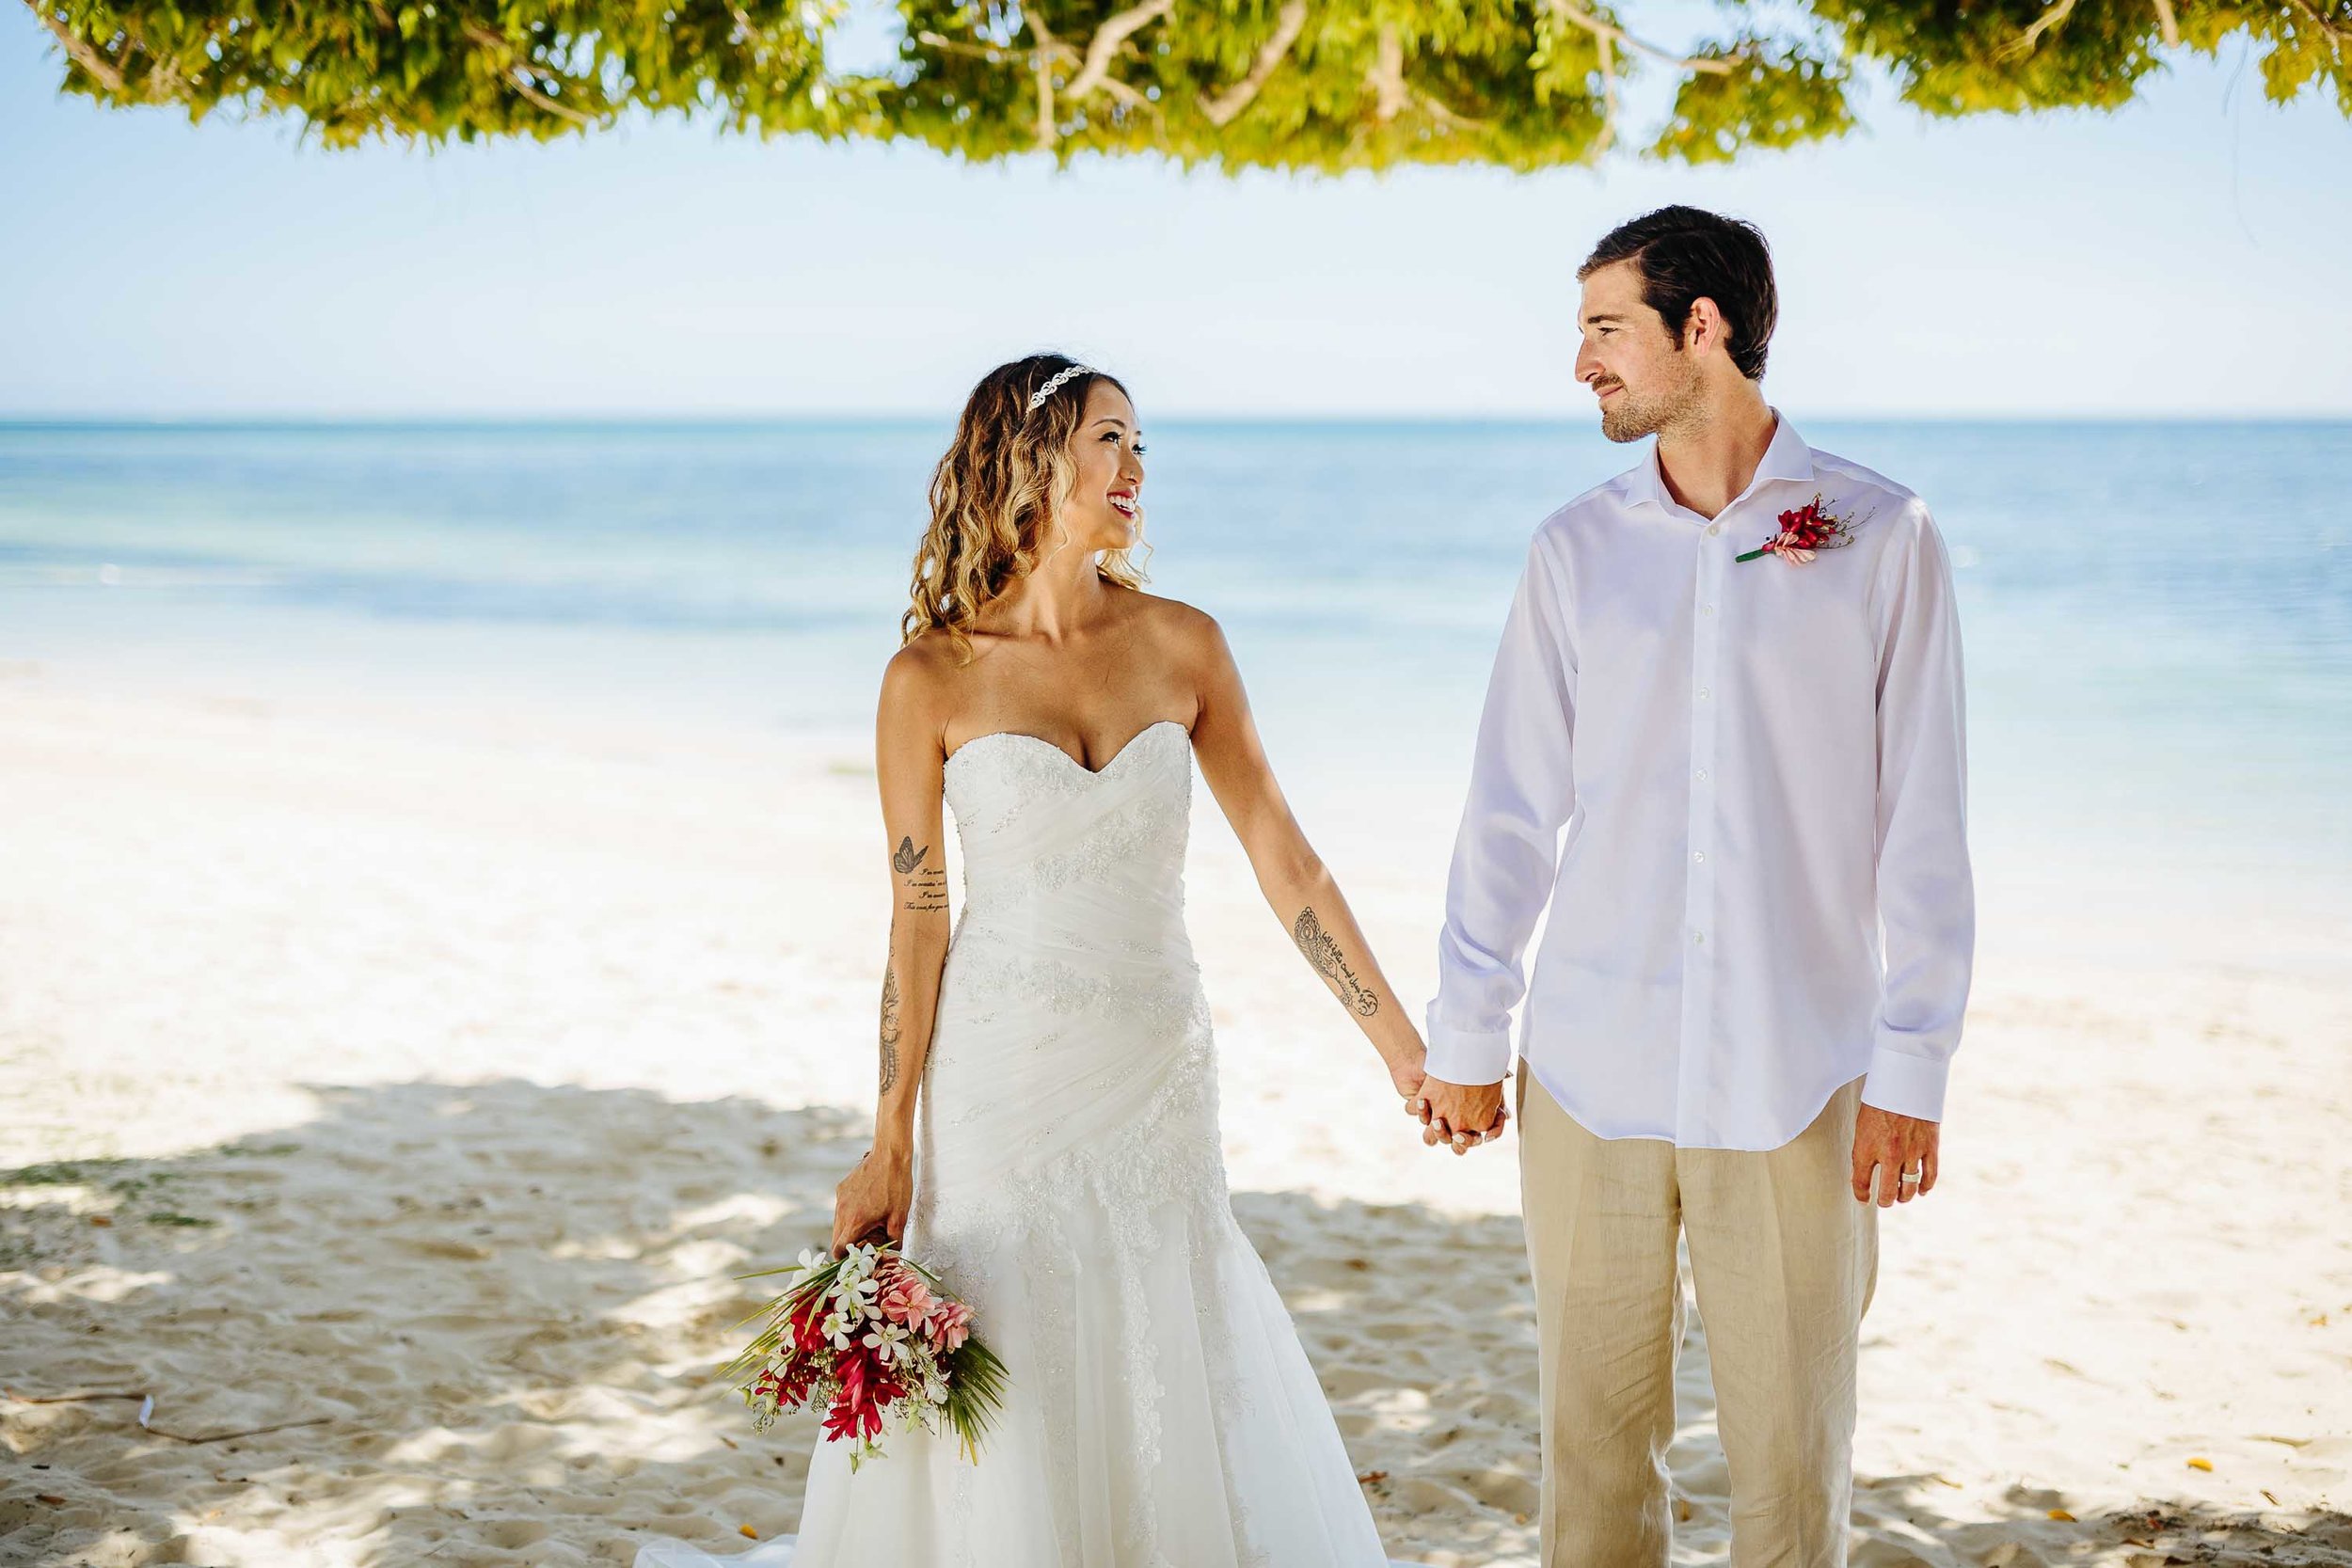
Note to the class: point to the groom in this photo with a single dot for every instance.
(1733, 675)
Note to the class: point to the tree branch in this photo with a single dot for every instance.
(1041, 63)
(2336, 35)
(2169, 23)
(1571, 12)
(2023, 43)
(1446, 115)
(1115, 29)
(518, 75)
(80, 50)
(1387, 76)
(1608, 137)
(1222, 108)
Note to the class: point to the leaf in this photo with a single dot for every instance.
(747, 1532)
(2205, 1465)
(2061, 1516)
(1520, 84)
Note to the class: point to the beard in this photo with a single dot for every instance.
(1631, 418)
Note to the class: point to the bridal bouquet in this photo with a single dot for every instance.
(871, 1336)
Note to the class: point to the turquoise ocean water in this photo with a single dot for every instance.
(2159, 617)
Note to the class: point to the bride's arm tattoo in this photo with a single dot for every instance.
(925, 886)
(1323, 954)
(890, 1028)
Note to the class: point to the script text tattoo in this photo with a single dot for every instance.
(890, 1028)
(1324, 953)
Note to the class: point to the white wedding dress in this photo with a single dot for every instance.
(1160, 1412)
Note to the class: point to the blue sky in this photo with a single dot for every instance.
(2190, 256)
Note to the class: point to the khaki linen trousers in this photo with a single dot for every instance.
(1783, 1259)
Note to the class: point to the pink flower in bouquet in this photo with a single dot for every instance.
(905, 1300)
(950, 1325)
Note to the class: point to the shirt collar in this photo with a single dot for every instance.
(1787, 457)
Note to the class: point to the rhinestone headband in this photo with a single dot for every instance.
(1037, 399)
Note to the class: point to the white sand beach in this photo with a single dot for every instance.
(390, 1098)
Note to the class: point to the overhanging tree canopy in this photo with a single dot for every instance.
(1324, 85)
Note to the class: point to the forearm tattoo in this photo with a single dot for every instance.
(925, 886)
(890, 1028)
(1323, 954)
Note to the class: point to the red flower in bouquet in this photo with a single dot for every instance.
(1804, 531)
(874, 1340)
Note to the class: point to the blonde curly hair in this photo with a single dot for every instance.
(996, 497)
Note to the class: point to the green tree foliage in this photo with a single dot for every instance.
(1323, 84)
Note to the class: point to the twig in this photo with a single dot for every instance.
(1115, 29)
(83, 52)
(147, 1404)
(1130, 97)
(2168, 23)
(518, 76)
(249, 1432)
(1221, 108)
(752, 34)
(1595, 26)
(988, 52)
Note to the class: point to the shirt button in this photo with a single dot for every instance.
(1702, 775)
(1714, 528)
(1703, 694)
(1698, 938)
(1699, 855)
(1707, 610)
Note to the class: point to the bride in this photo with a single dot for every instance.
(1064, 1171)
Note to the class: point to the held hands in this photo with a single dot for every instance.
(1462, 1116)
(1449, 1113)
(1894, 1157)
(873, 1199)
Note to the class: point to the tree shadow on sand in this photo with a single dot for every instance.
(482, 1322)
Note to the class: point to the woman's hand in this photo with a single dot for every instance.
(1407, 1068)
(873, 1197)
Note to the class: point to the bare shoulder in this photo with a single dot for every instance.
(1182, 631)
(918, 682)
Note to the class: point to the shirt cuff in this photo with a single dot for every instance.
(1903, 1082)
(1459, 1055)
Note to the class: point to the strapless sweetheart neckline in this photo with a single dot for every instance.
(1127, 746)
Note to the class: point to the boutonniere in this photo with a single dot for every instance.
(1805, 531)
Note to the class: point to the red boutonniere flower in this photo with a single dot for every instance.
(1809, 528)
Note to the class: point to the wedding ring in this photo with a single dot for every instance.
(1912, 1176)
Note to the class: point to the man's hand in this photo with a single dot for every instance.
(1461, 1115)
(1894, 1157)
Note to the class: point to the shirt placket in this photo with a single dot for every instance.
(1700, 937)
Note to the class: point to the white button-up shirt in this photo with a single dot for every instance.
(1763, 892)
